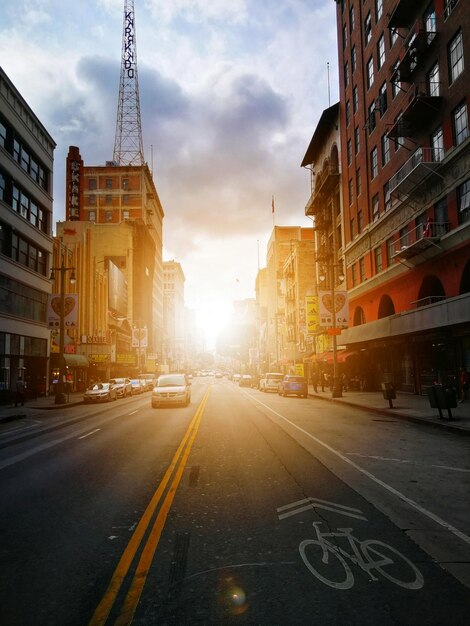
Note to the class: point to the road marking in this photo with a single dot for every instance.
(438, 520)
(132, 412)
(103, 609)
(317, 503)
(92, 432)
(384, 458)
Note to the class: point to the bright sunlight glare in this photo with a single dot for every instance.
(212, 318)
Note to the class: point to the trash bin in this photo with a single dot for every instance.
(442, 398)
(389, 393)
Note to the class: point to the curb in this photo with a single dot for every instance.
(411, 418)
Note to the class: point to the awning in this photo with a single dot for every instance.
(76, 360)
(327, 357)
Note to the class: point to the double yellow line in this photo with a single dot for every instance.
(178, 463)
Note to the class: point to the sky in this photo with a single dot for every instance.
(230, 95)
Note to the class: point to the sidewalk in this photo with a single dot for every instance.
(405, 406)
(31, 408)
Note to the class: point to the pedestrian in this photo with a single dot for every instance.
(19, 395)
(314, 378)
(464, 380)
(322, 380)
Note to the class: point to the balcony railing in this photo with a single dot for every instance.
(424, 104)
(427, 300)
(325, 183)
(419, 239)
(415, 171)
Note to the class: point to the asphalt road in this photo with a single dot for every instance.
(243, 508)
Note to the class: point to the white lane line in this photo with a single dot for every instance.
(132, 412)
(462, 536)
(92, 432)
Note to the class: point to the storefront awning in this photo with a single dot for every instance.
(76, 360)
(327, 357)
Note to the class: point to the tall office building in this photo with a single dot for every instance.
(27, 152)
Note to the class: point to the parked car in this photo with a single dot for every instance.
(123, 386)
(236, 378)
(171, 389)
(138, 386)
(100, 392)
(293, 386)
(149, 380)
(271, 381)
(245, 381)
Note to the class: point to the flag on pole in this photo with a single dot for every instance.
(272, 204)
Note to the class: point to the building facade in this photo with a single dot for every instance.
(26, 173)
(404, 93)
(174, 355)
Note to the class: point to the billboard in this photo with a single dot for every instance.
(70, 310)
(312, 317)
(139, 338)
(117, 290)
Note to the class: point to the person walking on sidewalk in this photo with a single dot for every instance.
(19, 395)
(314, 378)
(464, 380)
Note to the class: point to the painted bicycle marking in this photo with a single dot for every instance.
(328, 561)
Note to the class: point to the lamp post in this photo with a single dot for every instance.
(60, 397)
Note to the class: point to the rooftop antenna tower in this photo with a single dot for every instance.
(128, 146)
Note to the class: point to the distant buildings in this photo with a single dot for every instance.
(26, 170)
(174, 350)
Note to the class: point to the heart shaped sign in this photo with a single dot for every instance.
(69, 305)
(327, 301)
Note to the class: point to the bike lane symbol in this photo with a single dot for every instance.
(321, 556)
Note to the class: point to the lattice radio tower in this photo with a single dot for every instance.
(128, 146)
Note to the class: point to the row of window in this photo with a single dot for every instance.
(21, 202)
(20, 151)
(26, 302)
(109, 216)
(110, 199)
(21, 250)
(108, 183)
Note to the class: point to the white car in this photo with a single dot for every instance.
(123, 386)
(270, 381)
(171, 389)
(100, 392)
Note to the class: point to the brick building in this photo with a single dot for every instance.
(405, 161)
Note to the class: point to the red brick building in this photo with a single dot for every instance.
(405, 172)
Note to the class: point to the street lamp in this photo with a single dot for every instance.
(336, 273)
(60, 397)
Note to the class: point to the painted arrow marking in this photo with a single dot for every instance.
(316, 503)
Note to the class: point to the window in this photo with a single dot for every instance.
(375, 207)
(460, 123)
(370, 72)
(358, 182)
(125, 215)
(437, 144)
(368, 28)
(109, 216)
(349, 151)
(463, 201)
(125, 183)
(351, 191)
(379, 7)
(381, 51)
(92, 199)
(355, 99)
(109, 183)
(382, 99)
(393, 34)
(357, 140)
(2, 186)
(92, 216)
(354, 275)
(449, 7)
(378, 259)
(395, 80)
(346, 74)
(125, 199)
(374, 163)
(108, 199)
(420, 223)
(390, 250)
(359, 221)
(385, 149)
(404, 237)
(430, 22)
(455, 56)
(351, 19)
(348, 112)
(371, 121)
(432, 81)
(92, 184)
(352, 228)
(345, 37)
(353, 59)
(362, 269)
(3, 135)
(440, 212)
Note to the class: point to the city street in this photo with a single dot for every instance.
(242, 508)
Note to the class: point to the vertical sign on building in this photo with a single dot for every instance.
(312, 316)
(74, 170)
